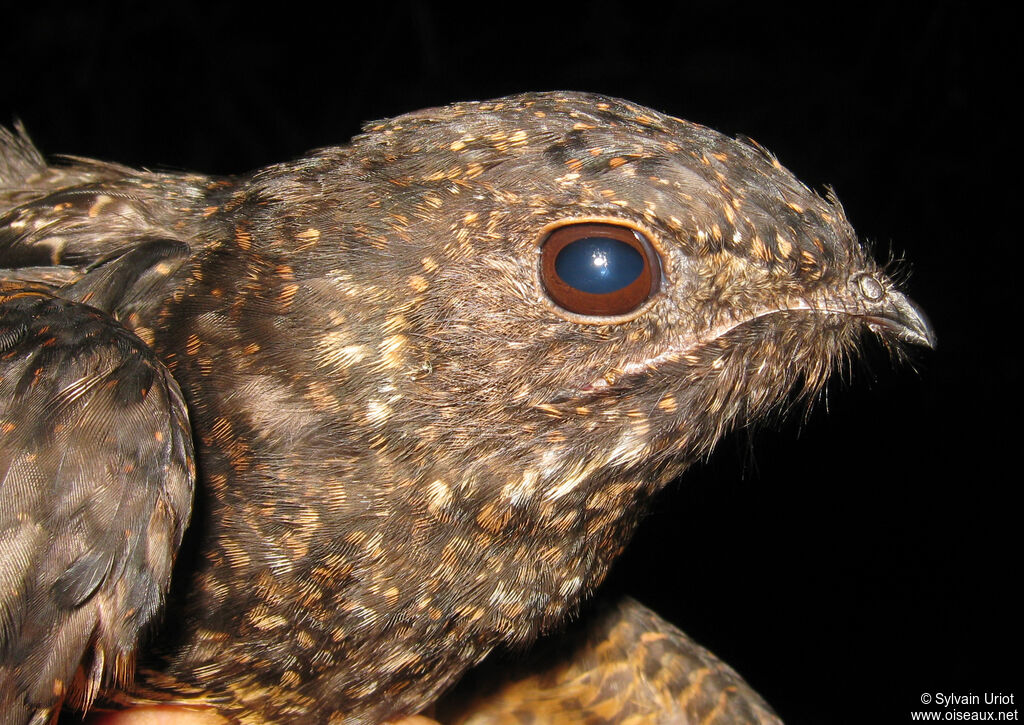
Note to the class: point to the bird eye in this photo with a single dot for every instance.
(598, 269)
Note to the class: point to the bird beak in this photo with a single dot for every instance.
(897, 314)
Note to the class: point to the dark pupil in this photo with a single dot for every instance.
(598, 265)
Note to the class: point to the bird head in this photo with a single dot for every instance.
(513, 321)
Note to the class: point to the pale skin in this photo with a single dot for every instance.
(186, 716)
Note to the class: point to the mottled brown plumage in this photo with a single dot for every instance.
(623, 665)
(407, 452)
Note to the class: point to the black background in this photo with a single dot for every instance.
(845, 564)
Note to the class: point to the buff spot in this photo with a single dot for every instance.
(439, 496)
(391, 350)
(101, 201)
(377, 411)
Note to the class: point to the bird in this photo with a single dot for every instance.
(308, 444)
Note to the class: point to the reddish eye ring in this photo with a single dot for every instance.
(598, 269)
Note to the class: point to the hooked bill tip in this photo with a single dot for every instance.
(900, 315)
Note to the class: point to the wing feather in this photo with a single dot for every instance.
(96, 480)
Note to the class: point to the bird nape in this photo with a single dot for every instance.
(390, 406)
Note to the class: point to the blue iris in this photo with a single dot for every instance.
(599, 265)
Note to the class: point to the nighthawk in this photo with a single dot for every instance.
(305, 445)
